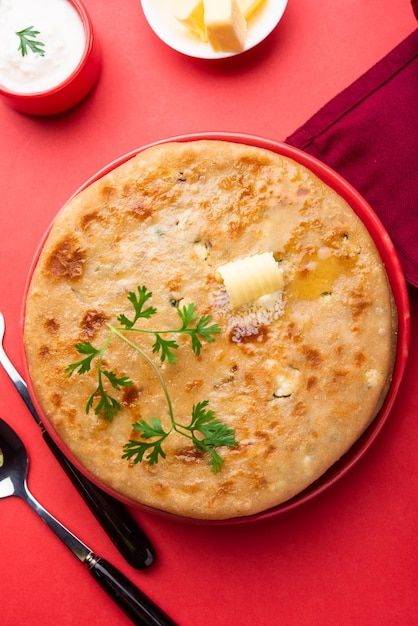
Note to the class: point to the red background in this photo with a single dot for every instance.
(349, 557)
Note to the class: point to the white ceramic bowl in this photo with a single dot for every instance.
(162, 21)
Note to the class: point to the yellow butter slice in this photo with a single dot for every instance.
(190, 14)
(225, 25)
(249, 7)
(250, 278)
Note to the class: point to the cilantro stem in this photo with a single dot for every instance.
(104, 347)
(156, 369)
(99, 376)
(102, 350)
(177, 426)
(158, 332)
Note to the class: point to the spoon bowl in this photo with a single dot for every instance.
(15, 462)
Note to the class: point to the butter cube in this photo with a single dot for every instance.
(225, 25)
(248, 7)
(190, 14)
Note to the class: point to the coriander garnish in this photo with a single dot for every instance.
(27, 38)
(202, 329)
(205, 430)
(107, 405)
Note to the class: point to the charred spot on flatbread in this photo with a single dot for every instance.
(66, 260)
(91, 323)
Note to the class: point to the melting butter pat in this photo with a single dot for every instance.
(225, 25)
(247, 279)
(249, 7)
(190, 13)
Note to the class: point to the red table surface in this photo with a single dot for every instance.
(347, 558)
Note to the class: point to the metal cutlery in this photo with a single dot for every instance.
(121, 527)
(13, 473)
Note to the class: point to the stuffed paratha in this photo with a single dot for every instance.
(298, 374)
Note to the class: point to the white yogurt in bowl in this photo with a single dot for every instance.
(41, 43)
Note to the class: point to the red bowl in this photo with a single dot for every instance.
(71, 90)
(398, 286)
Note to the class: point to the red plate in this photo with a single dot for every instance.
(397, 283)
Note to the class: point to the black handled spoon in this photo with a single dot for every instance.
(127, 536)
(13, 472)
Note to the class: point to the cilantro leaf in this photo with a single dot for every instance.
(149, 430)
(86, 348)
(84, 365)
(206, 330)
(202, 330)
(215, 432)
(100, 401)
(196, 344)
(208, 433)
(165, 348)
(135, 450)
(187, 315)
(124, 321)
(216, 461)
(117, 383)
(107, 406)
(138, 300)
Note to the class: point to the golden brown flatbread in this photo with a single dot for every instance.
(299, 374)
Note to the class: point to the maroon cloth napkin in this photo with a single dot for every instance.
(369, 134)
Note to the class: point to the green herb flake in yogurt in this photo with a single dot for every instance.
(38, 57)
(27, 38)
